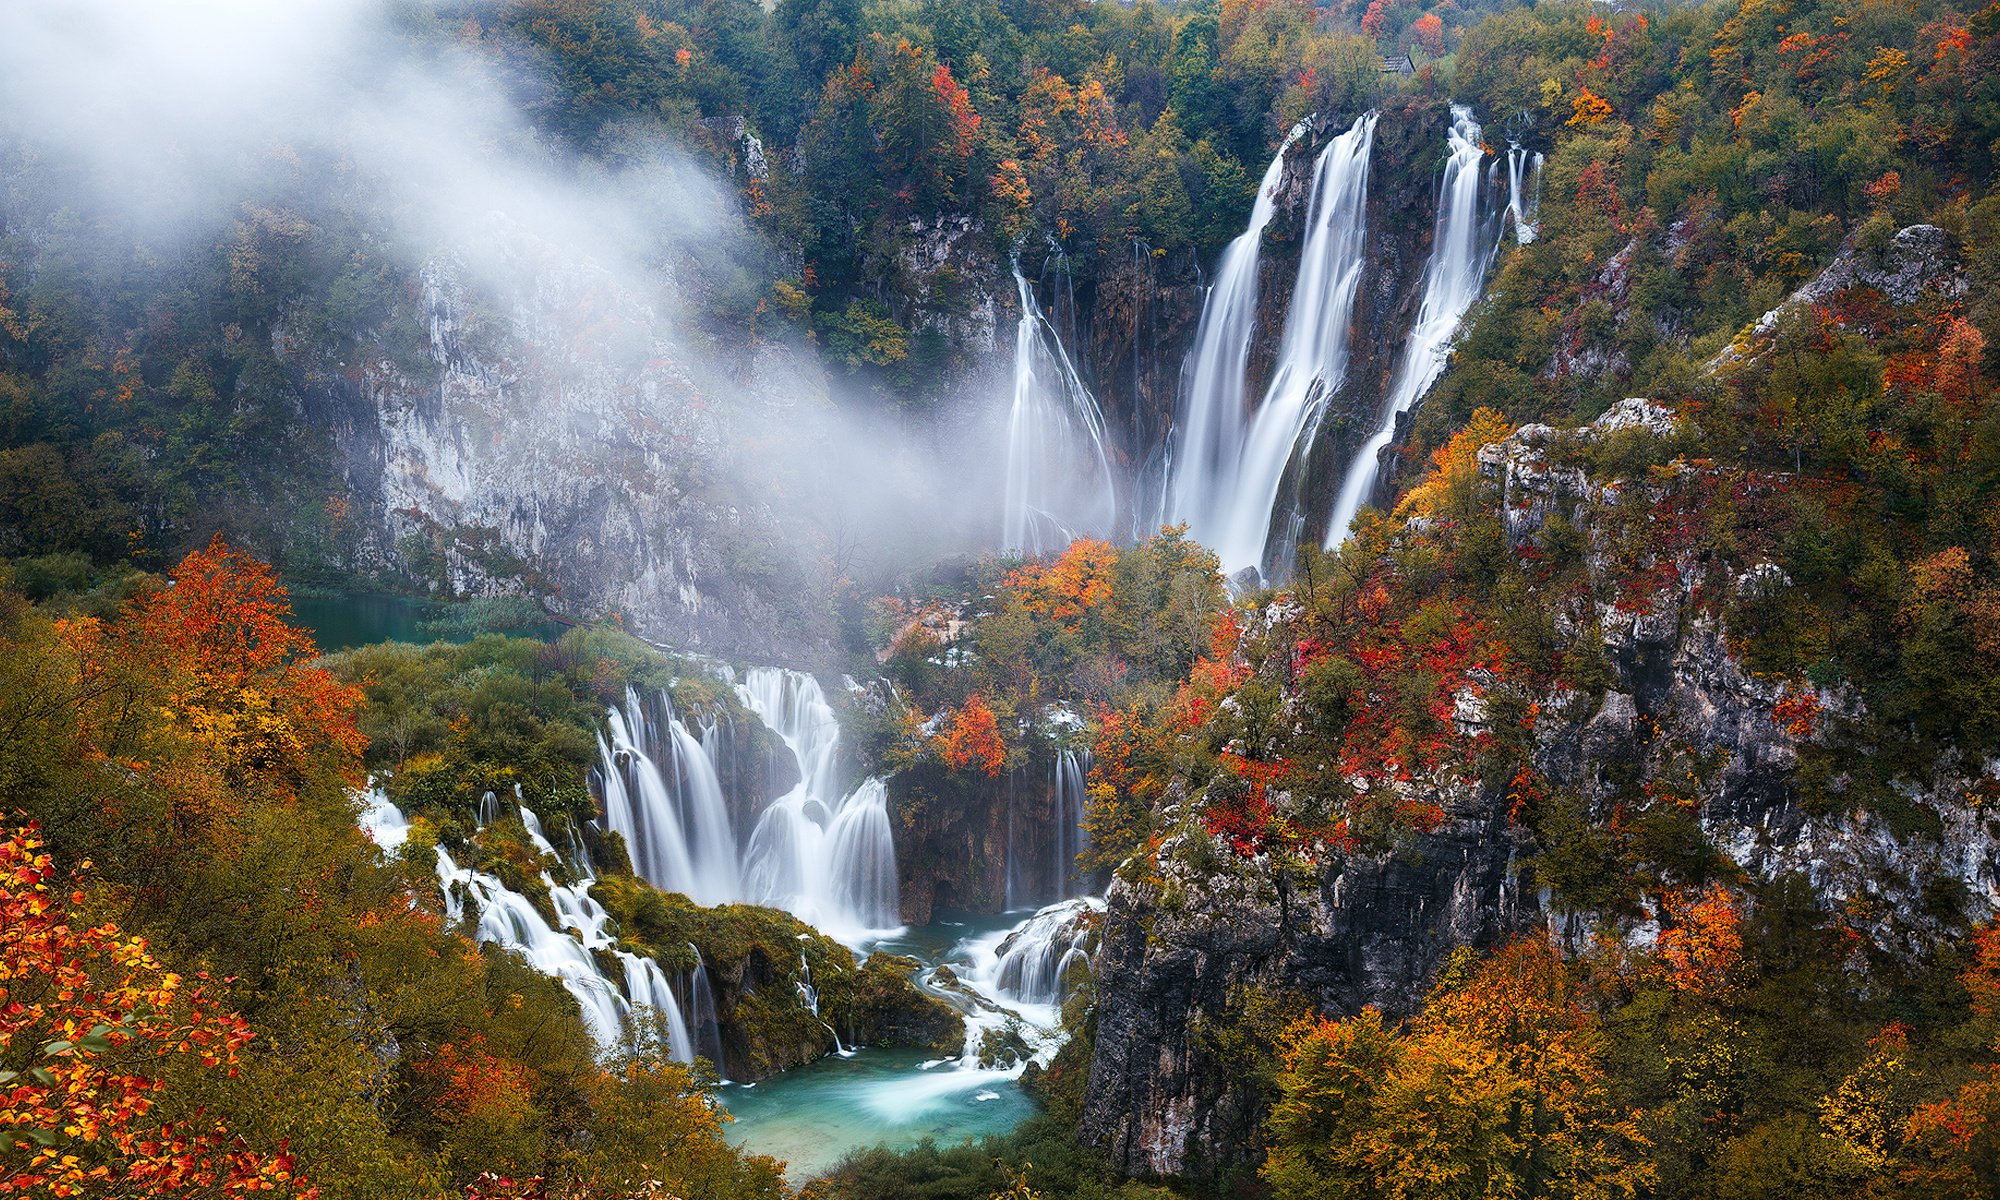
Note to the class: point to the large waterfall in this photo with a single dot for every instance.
(1312, 356)
(827, 857)
(1210, 430)
(1058, 475)
(1452, 282)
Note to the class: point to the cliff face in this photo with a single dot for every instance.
(972, 844)
(1189, 931)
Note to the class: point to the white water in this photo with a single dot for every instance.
(672, 815)
(1524, 194)
(1031, 963)
(1313, 354)
(611, 1008)
(1058, 477)
(1452, 282)
(1214, 406)
(827, 858)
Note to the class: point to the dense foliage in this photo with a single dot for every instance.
(236, 989)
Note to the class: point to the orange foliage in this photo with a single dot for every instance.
(1429, 31)
(1588, 109)
(241, 686)
(474, 1086)
(1070, 591)
(1701, 946)
(972, 739)
(92, 1030)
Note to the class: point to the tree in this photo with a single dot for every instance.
(1499, 1087)
(98, 1042)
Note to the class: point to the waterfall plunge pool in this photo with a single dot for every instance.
(815, 1115)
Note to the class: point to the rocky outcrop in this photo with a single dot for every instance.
(766, 992)
(1192, 932)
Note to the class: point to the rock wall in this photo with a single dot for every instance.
(1185, 938)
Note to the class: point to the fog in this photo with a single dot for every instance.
(169, 120)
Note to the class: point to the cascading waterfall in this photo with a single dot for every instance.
(1312, 355)
(1210, 429)
(1030, 964)
(827, 858)
(1524, 194)
(672, 817)
(1058, 474)
(1452, 282)
(612, 1009)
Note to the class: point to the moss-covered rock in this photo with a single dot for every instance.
(769, 972)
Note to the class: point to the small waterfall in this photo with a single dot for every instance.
(704, 1020)
(1072, 768)
(1312, 356)
(1210, 430)
(1029, 963)
(567, 950)
(1058, 475)
(672, 816)
(382, 821)
(829, 859)
(1452, 282)
(809, 996)
(1524, 194)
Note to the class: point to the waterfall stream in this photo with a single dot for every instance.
(1312, 356)
(1058, 475)
(1452, 281)
(1524, 194)
(612, 1008)
(1210, 429)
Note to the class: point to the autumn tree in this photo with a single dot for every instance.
(1499, 1087)
(98, 1045)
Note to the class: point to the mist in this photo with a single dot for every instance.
(575, 291)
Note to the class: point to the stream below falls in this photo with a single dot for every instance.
(815, 1115)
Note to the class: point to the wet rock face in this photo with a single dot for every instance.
(960, 836)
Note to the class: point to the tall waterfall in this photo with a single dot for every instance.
(671, 814)
(1058, 475)
(1312, 356)
(828, 858)
(1213, 404)
(1524, 194)
(1452, 281)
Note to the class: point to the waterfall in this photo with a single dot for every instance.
(704, 1020)
(1058, 476)
(1452, 281)
(1312, 355)
(1524, 194)
(672, 817)
(1072, 767)
(1213, 403)
(829, 859)
(1030, 962)
(566, 951)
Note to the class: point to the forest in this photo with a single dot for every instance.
(1605, 813)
